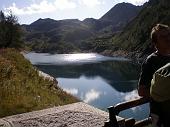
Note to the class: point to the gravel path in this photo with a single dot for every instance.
(72, 115)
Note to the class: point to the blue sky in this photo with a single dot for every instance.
(28, 11)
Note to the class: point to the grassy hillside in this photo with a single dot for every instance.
(136, 35)
(22, 89)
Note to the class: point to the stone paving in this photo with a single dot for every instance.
(73, 115)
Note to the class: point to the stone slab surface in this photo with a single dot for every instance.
(73, 115)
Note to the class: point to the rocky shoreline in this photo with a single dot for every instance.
(136, 57)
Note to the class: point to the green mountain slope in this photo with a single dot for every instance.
(136, 35)
(22, 89)
(69, 35)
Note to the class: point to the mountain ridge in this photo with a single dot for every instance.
(72, 33)
(135, 38)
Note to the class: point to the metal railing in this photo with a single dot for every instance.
(115, 110)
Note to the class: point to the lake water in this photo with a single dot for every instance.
(95, 79)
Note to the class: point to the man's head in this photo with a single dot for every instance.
(160, 36)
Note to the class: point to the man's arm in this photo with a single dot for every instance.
(145, 78)
(143, 91)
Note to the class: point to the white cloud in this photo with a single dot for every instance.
(135, 2)
(91, 3)
(91, 96)
(42, 7)
(64, 4)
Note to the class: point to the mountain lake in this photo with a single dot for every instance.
(98, 80)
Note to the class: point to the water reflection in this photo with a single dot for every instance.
(131, 96)
(79, 57)
(65, 59)
(97, 80)
(91, 95)
(92, 91)
(121, 75)
(72, 91)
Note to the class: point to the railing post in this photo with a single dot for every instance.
(112, 118)
(114, 111)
